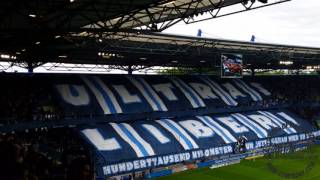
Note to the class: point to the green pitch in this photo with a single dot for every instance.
(303, 165)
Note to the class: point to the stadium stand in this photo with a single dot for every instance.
(142, 123)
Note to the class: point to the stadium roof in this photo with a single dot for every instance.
(122, 33)
(158, 49)
(27, 25)
(108, 14)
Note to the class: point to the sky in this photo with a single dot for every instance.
(296, 22)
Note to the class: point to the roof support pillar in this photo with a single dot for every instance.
(130, 69)
(253, 72)
(30, 67)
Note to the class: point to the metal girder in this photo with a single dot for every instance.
(159, 17)
(65, 67)
(33, 26)
(157, 49)
(155, 15)
(220, 11)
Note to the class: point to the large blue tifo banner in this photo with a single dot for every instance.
(112, 94)
(153, 143)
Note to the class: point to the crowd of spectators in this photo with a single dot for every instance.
(24, 99)
(44, 155)
(293, 89)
